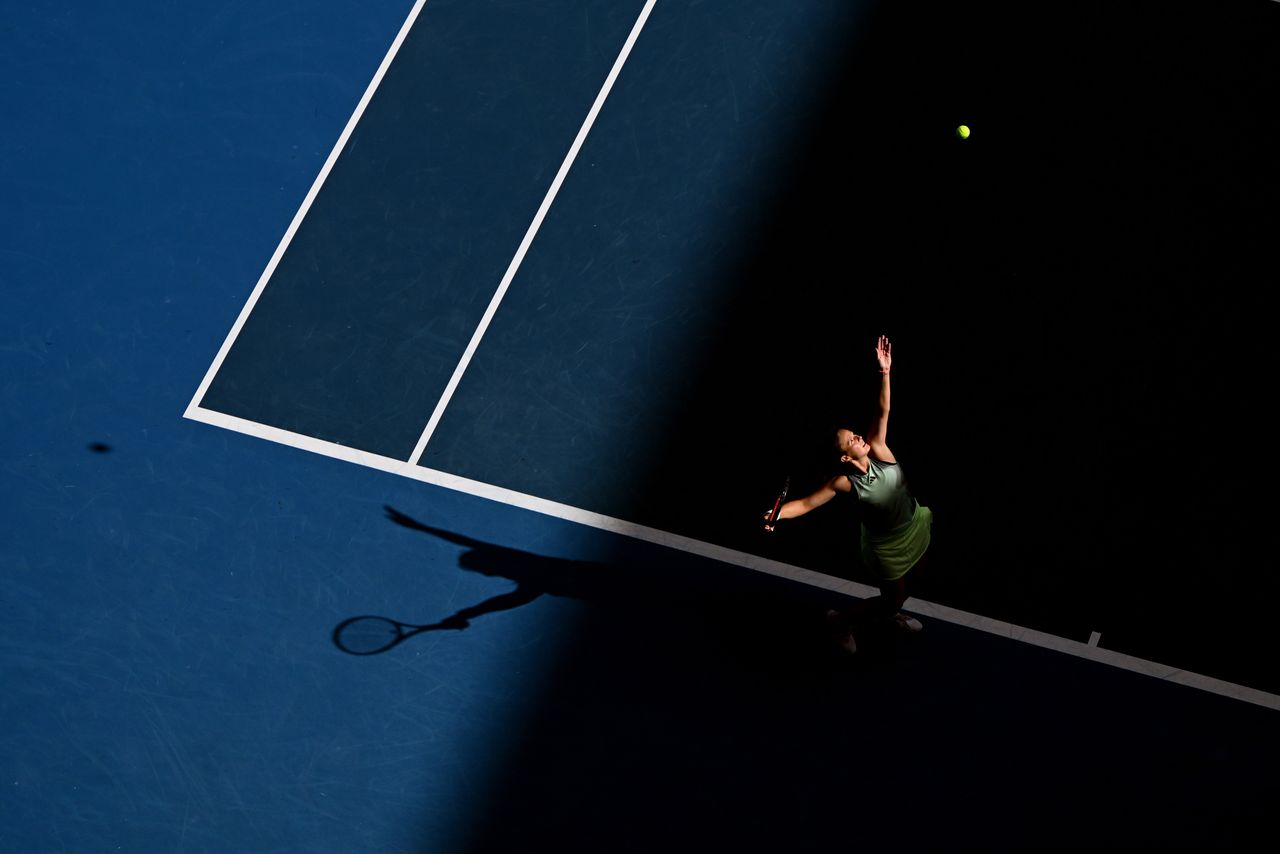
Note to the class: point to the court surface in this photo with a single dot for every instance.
(537, 305)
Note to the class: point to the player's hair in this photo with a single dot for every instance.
(834, 452)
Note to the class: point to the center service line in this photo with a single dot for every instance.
(529, 235)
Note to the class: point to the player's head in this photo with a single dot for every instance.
(852, 447)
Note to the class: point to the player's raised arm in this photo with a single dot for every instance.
(878, 434)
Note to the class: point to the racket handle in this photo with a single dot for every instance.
(777, 507)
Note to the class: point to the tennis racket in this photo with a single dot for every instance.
(772, 521)
(372, 635)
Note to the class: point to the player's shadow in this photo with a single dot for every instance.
(535, 576)
(752, 617)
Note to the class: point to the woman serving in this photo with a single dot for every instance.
(895, 527)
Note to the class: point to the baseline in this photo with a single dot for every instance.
(711, 551)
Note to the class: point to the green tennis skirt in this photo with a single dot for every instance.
(891, 554)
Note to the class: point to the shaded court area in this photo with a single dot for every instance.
(759, 740)
(759, 196)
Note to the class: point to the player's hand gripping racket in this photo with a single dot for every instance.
(771, 518)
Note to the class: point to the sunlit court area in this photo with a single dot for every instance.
(464, 426)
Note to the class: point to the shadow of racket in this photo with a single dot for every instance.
(370, 635)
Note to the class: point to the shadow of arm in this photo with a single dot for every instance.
(409, 522)
(522, 595)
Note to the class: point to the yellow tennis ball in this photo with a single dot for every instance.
(963, 131)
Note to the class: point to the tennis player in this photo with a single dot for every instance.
(895, 528)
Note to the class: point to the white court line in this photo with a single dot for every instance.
(443, 403)
(306, 206)
(730, 556)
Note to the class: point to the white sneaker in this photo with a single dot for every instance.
(907, 624)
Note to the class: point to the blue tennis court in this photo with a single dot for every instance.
(505, 322)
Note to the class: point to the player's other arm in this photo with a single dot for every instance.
(814, 500)
(878, 434)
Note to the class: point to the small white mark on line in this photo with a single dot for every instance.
(1094, 638)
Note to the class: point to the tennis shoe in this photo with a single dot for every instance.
(907, 624)
(848, 644)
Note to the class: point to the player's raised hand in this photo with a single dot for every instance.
(884, 353)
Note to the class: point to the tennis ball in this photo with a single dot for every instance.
(963, 131)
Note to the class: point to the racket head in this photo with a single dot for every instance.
(369, 635)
